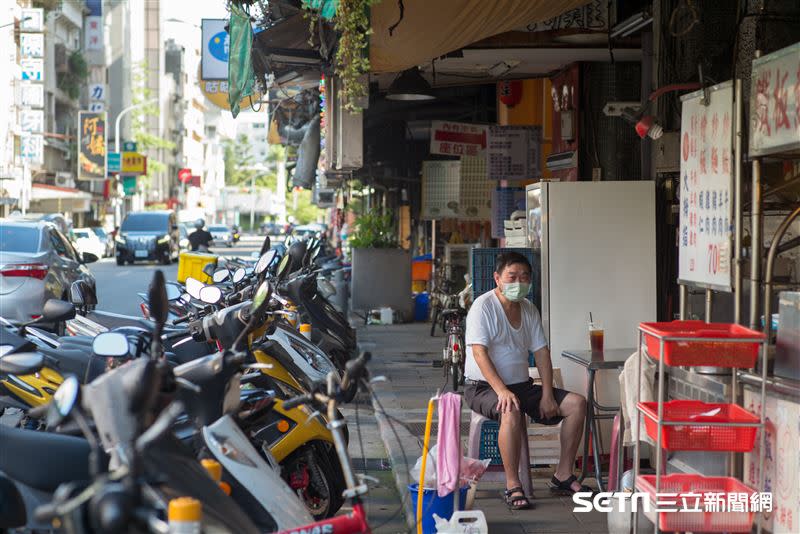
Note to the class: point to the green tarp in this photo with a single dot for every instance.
(241, 78)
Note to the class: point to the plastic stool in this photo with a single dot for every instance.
(473, 451)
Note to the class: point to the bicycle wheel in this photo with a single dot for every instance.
(434, 320)
(456, 376)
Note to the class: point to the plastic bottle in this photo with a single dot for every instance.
(305, 330)
(185, 516)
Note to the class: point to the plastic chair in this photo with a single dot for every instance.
(524, 469)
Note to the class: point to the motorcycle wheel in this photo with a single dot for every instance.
(319, 489)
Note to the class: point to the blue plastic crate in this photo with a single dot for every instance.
(483, 260)
(488, 444)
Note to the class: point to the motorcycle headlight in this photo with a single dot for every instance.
(316, 360)
(120, 239)
(163, 240)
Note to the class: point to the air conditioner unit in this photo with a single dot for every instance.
(344, 132)
(64, 179)
(562, 160)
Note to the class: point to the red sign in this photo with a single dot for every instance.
(185, 175)
(458, 138)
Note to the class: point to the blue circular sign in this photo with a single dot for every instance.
(218, 46)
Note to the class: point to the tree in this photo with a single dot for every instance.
(240, 165)
(140, 92)
(306, 212)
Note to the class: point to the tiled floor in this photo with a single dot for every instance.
(404, 355)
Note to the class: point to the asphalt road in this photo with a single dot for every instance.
(117, 287)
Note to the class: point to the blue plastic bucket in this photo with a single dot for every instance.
(433, 504)
(421, 303)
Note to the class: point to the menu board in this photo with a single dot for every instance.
(706, 194)
(513, 152)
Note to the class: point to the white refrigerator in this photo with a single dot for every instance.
(598, 251)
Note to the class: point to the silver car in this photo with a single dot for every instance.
(222, 235)
(37, 263)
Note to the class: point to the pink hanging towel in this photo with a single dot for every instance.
(448, 453)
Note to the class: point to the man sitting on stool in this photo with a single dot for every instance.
(502, 327)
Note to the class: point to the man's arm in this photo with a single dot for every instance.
(548, 406)
(506, 400)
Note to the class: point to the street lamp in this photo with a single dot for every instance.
(12, 23)
(122, 113)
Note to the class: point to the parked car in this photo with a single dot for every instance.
(148, 235)
(222, 235)
(37, 263)
(272, 228)
(308, 230)
(87, 241)
(106, 238)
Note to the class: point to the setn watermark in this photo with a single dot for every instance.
(672, 502)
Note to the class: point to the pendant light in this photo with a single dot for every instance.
(410, 86)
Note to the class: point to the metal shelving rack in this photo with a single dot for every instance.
(660, 418)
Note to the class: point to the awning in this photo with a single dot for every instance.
(54, 199)
(431, 29)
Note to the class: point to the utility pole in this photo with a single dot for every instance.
(252, 201)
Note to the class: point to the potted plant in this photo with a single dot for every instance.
(381, 275)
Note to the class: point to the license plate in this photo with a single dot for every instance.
(141, 253)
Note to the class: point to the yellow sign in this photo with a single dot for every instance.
(216, 91)
(133, 163)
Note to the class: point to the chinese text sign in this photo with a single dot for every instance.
(92, 146)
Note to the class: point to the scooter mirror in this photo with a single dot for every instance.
(284, 267)
(56, 311)
(239, 275)
(111, 345)
(211, 294)
(21, 363)
(76, 293)
(173, 293)
(261, 297)
(193, 287)
(209, 269)
(66, 396)
(265, 260)
(157, 298)
(220, 276)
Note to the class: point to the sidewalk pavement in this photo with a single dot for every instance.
(404, 354)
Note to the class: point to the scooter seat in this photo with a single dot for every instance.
(77, 361)
(42, 460)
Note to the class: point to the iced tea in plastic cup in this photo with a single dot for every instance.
(596, 337)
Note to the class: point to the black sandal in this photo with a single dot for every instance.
(511, 501)
(564, 487)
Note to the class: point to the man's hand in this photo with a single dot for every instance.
(548, 407)
(507, 401)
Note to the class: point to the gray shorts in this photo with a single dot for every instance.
(481, 398)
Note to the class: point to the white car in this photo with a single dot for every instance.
(222, 234)
(88, 241)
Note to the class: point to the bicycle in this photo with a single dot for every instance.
(442, 296)
(453, 354)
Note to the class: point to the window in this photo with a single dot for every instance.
(58, 245)
(19, 239)
(145, 222)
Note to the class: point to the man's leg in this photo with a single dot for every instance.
(573, 410)
(508, 440)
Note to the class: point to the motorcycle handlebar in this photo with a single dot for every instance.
(294, 402)
(184, 319)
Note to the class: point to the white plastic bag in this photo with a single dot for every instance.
(471, 469)
(463, 522)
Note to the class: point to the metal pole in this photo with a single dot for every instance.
(756, 245)
(738, 286)
(123, 113)
(709, 300)
(252, 201)
(683, 297)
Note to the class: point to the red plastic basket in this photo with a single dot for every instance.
(702, 437)
(691, 490)
(687, 352)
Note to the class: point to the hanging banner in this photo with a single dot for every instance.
(93, 33)
(32, 69)
(133, 163)
(458, 138)
(214, 62)
(32, 95)
(31, 45)
(32, 20)
(32, 148)
(706, 195)
(513, 152)
(91, 146)
(775, 103)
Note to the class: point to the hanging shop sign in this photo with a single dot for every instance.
(456, 189)
(31, 148)
(129, 185)
(775, 103)
(31, 120)
(114, 162)
(32, 69)
(458, 138)
(94, 33)
(513, 152)
(129, 146)
(185, 176)
(214, 62)
(91, 146)
(134, 163)
(32, 20)
(31, 45)
(32, 95)
(706, 195)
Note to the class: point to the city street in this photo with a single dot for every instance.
(117, 287)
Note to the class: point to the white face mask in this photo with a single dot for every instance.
(515, 291)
